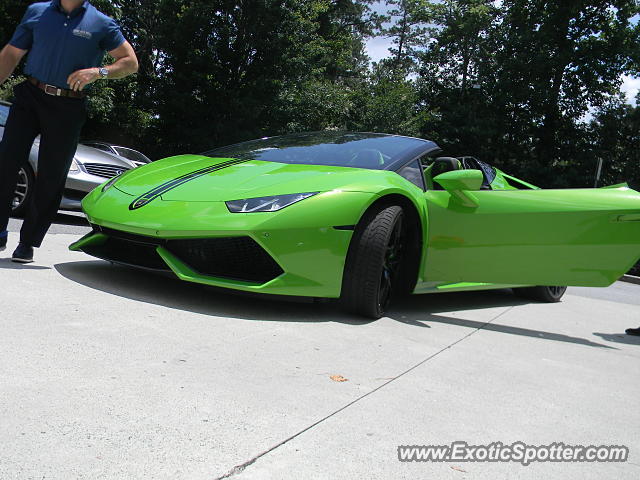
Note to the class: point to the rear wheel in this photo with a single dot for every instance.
(23, 191)
(541, 294)
(374, 262)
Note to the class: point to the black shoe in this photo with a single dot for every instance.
(23, 254)
(3, 241)
(633, 331)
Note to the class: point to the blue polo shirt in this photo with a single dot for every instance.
(61, 43)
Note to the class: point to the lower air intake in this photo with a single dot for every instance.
(128, 252)
(237, 258)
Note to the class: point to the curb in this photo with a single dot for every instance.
(631, 279)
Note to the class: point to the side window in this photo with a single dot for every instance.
(413, 173)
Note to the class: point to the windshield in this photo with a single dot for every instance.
(4, 113)
(99, 146)
(361, 150)
(132, 154)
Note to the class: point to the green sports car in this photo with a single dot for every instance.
(361, 217)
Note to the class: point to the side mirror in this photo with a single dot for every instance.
(459, 183)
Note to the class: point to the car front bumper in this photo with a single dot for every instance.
(297, 251)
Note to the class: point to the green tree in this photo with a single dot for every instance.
(221, 71)
(514, 81)
(405, 24)
(456, 66)
(562, 58)
(11, 13)
(615, 139)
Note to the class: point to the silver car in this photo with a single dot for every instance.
(129, 153)
(90, 168)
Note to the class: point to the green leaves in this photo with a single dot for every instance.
(216, 72)
(513, 83)
(530, 85)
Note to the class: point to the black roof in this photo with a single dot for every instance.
(370, 150)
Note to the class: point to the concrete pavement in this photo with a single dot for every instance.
(112, 373)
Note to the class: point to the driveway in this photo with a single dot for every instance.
(112, 373)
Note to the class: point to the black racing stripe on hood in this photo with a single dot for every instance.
(151, 195)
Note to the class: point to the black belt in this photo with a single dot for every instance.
(55, 91)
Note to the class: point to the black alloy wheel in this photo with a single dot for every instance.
(391, 265)
(551, 294)
(374, 261)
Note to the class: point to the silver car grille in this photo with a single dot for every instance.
(103, 170)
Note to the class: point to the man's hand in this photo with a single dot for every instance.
(81, 78)
(126, 63)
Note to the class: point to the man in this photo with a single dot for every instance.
(633, 331)
(66, 41)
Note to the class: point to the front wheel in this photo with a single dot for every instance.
(541, 294)
(374, 261)
(23, 191)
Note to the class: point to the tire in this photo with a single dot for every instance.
(23, 191)
(374, 262)
(541, 294)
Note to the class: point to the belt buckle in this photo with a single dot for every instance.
(56, 91)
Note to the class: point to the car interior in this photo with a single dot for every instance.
(436, 166)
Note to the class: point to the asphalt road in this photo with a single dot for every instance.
(112, 373)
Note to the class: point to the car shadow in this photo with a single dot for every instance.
(619, 338)
(168, 291)
(413, 306)
(7, 264)
(418, 310)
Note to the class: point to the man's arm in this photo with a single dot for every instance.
(10, 56)
(126, 64)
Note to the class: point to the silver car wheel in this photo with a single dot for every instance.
(557, 291)
(22, 189)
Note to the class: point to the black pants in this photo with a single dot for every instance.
(58, 121)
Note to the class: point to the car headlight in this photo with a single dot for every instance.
(75, 167)
(266, 204)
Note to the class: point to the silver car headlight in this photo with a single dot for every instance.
(75, 167)
(266, 204)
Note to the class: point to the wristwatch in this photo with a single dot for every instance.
(104, 73)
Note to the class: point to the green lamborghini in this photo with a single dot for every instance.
(362, 217)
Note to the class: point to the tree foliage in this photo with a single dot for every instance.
(518, 81)
(530, 85)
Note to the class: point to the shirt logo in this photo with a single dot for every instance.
(82, 33)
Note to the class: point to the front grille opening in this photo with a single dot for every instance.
(104, 170)
(235, 258)
(127, 252)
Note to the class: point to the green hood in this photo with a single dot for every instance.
(222, 179)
